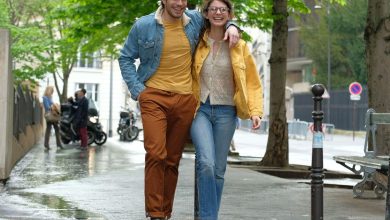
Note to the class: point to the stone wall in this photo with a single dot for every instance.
(12, 148)
(6, 105)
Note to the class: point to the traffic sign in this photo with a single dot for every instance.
(355, 97)
(355, 88)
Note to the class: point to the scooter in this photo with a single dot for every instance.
(127, 129)
(69, 133)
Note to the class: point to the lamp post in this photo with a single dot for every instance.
(110, 114)
(329, 64)
(328, 84)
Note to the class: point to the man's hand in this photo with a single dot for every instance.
(255, 122)
(233, 34)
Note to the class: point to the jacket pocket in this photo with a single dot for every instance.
(146, 50)
(240, 97)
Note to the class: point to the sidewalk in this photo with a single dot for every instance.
(107, 183)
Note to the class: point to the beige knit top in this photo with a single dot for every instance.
(217, 76)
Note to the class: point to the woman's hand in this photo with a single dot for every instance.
(255, 122)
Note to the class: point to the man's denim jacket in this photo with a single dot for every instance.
(145, 42)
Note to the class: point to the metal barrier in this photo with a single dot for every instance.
(298, 129)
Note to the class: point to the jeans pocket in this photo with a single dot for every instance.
(142, 94)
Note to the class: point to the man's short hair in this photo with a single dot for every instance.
(83, 91)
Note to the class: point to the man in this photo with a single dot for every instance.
(164, 42)
(81, 118)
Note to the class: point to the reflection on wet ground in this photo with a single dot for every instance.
(63, 208)
(39, 168)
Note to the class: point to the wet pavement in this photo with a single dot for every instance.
(32, 192)
(106, 182)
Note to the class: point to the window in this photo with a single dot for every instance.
(92, 90)
(89, 60)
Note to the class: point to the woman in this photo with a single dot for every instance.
(226, 85)
(49, 105)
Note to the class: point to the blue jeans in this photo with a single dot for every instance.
(212, 131)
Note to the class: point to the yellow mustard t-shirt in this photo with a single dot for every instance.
(174, 72)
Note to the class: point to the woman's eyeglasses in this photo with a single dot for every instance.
(222, 10)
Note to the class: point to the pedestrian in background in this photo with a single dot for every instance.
(54, 109)
(164, 42)
(226, 85)
(81, 118)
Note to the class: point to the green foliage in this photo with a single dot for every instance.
(41, 42)
(27, 48)
(50, 44)
(103, 24)
(4, 18)
(347, 43)
(26, 39)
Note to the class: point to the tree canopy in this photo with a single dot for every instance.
(94, 19)
(42, 27)
(346, 34)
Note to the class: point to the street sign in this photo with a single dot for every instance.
(355, 88)
(355, 97)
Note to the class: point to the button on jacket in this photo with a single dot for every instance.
(248, 95)
(145, 42)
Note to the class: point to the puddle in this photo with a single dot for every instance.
(59, 206)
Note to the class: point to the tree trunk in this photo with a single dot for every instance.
(277, 145)
(377, 37)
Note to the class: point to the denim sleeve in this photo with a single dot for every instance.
(46, 103)
(234, 24)
(197, 17)
(128, 54)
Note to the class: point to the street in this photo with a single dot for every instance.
(107, 183)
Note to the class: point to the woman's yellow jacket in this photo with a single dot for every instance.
(248, 96)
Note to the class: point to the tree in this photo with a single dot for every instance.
(346, 32)
(26, 39)
(377, 38)
(41, 44)
(277, 144)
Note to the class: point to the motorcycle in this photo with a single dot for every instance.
(127, 129)
(69, 133)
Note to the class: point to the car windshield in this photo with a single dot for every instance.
(92, 108)
(91, 104)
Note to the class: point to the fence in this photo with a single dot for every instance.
(27, 110)
(344, 113)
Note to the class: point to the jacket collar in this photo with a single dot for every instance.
(158, 16)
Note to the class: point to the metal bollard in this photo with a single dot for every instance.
(317, 171)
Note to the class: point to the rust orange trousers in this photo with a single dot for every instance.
(166, 119)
